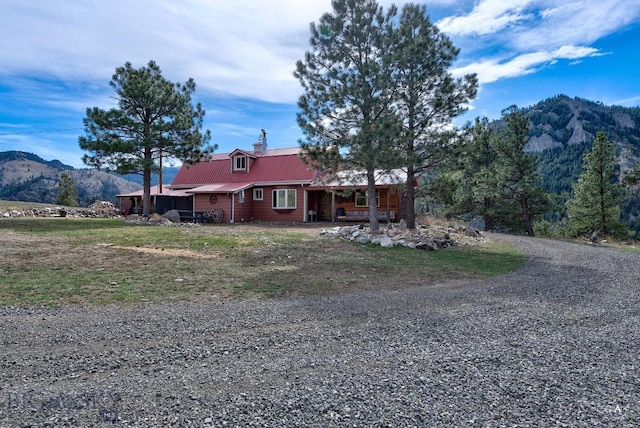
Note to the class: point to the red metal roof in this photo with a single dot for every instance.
(273, 166)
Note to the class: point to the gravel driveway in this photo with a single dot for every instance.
(554, 344)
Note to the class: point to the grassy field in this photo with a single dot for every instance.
(57, 261)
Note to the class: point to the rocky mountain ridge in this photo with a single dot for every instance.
(560, 122)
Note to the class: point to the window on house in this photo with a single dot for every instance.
(258, 194)
(239, 163)
(362, 198)
(284, 199)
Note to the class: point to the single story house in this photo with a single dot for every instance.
(268, 185)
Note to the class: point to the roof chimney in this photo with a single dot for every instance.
(261, 145)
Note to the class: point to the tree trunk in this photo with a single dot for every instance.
(411, 196)
(146, 184)
(526, 216)
(146, 193)
(371, 198)
(603, 208)
(488, 218)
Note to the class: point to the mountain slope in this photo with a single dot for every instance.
(27, 177)
(562, 121)
(562, 129)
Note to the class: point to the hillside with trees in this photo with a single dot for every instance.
(559, 135)
(27, 177)
(562, 129)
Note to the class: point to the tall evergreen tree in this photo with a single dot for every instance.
(428, 97)
(500, 181)
(345, 110)
(155, 119)
(516, 170)
(478, 188)
(67, 191)
(595, 204)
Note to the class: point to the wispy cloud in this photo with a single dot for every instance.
(577, 23)
(490, 70)
(524, 36)
(488, 16)
(246, 47)
(627, 102)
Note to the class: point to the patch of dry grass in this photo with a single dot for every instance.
(63, 260)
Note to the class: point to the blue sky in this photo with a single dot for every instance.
(57, 59)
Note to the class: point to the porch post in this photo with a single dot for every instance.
(333, 206)
(233, 207)
(305, 203)
(388, 206)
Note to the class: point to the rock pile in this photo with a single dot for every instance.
(103, 205)
(397, 234)
(103, 209)
(156, 220)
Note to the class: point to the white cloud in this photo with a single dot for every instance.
(628, 102)
(490, 70)
(516, 38)
(542, 24)
(246, 47)
(576, 23)
(488, 16)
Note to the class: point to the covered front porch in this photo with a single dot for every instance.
(341, 204)
(345, 196)
(163, 199)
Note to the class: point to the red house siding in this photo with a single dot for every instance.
(263, 210)
(223, 201)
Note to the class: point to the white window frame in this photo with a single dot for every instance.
(290, 199)
(239, 163)
(359, 194)
(258, 194)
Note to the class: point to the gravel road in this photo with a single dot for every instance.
(555, 344)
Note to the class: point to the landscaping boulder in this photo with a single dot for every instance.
(155, 218)
(478, 224)
(386, 242)
(172, 215)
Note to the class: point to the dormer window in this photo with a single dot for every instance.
(239, 163)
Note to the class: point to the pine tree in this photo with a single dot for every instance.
(500, 181)
(345, 110)
(517, 170)
(478, 189)
(595, 204)
(427, 96)
(67, 191)
(154, 119)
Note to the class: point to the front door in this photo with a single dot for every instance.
(324, 206)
